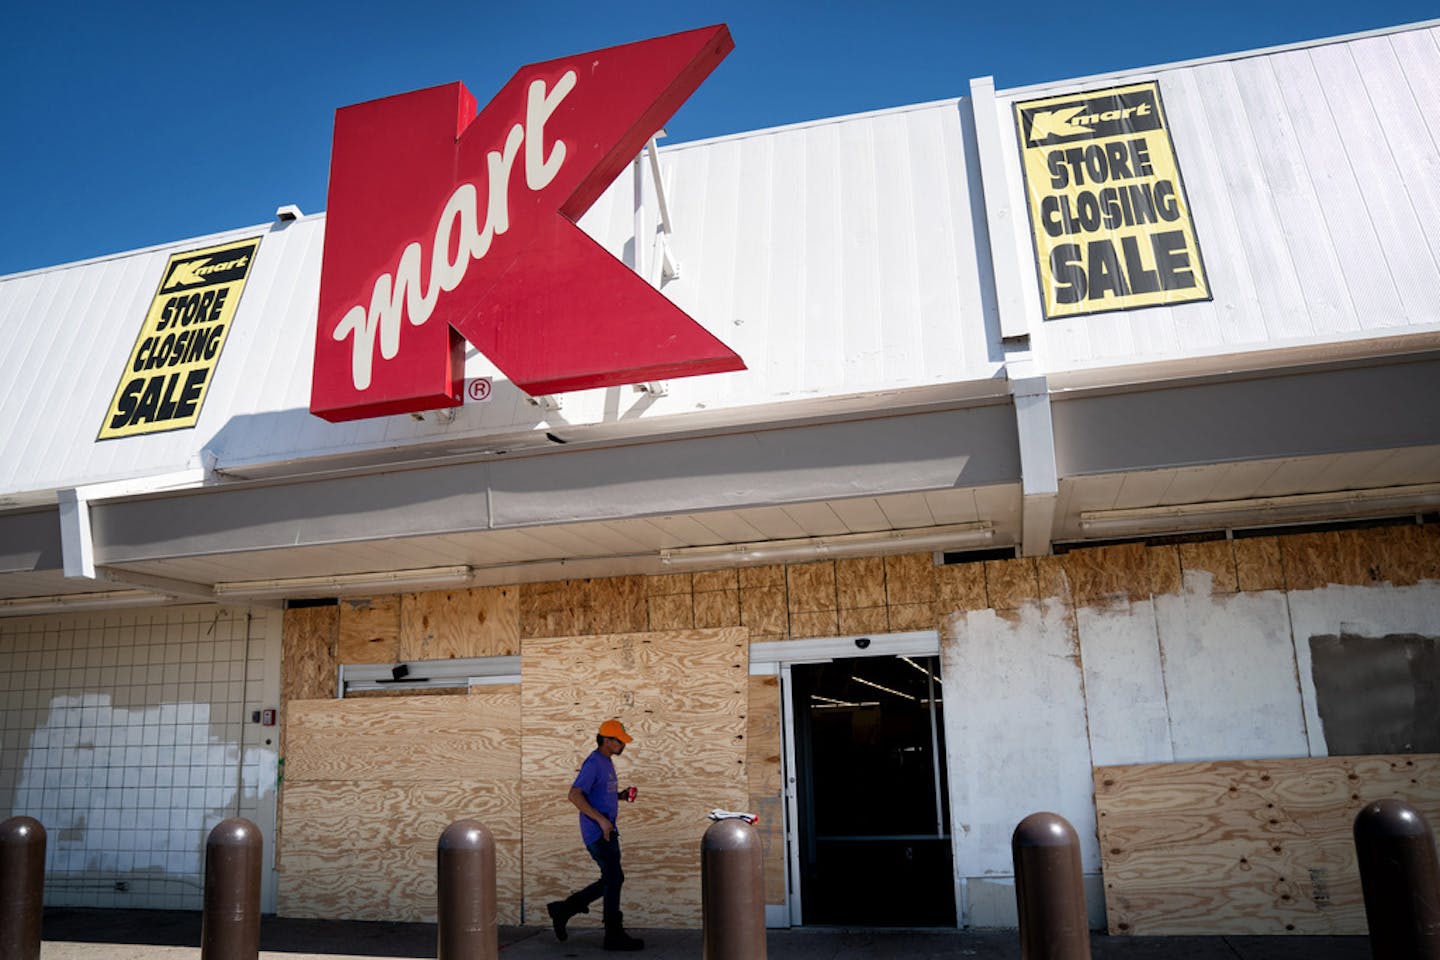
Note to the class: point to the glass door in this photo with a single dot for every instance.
(872, 808)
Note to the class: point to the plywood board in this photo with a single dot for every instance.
(820, 623)
(668, 584)
(683, 695)
(864, 620)
(1312, 560)
(447, 624)
(308, 671)
(762, 760)
(717, 608)
(371, 785)
(394, 884)
(671, 611)
(910, 579)
(430, 738)
(1165, 573)
(1209, 564)
(860, 582)
(811, 587)
(762, 611)
(1011, 584)
(616, 605)
(1101, 574)
(369, 630)
(961, 586)
(768, 575)
(1245, 847)
(906, 617)
(583, 607)
(549, 609)
(711, 580)
(1257, 564)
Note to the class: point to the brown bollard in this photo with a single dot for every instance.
(230, 925)
(1400, 879)
(465, 865)
(1048, 889)
(732, 892)
(22, 887)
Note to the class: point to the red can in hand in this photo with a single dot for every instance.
(630, 795)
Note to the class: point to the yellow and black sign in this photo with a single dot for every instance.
(175, 356)
(1112, 226)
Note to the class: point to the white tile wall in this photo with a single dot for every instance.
(129, 737)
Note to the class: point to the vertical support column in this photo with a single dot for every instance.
(732, 891)
(1401, 881)
(230, 925)
(22, 887)
(1048, 889)
(466, 903)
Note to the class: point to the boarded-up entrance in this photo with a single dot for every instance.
(682, 695)
(370, 785)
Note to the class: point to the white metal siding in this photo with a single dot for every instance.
(837, 258)
(1314, 178)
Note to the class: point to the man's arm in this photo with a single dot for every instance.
(577, 797)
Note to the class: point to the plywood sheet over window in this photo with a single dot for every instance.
(766, 780)
(370, 786)
(682, 694)
(1246, 847)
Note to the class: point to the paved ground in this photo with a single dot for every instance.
(76, 934)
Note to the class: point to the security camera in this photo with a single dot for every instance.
(862, 642)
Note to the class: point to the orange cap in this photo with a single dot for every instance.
(616, 729)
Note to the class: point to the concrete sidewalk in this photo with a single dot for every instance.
(85, 934)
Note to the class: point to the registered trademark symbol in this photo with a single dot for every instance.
(477, 390)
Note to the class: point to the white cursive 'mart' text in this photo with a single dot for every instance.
(462, 212)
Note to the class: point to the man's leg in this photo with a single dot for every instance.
(607, 855)
(579, 902)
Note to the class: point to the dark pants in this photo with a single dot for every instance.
(607, 855)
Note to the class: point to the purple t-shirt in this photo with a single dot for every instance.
(596, 780)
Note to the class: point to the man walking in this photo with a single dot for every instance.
(596, 796)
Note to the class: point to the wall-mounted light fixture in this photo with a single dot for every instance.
(346, 583)
(59, 603)
(951, 537)
(1264, 511)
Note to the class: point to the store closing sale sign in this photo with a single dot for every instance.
(1112, 226)
(175, 355)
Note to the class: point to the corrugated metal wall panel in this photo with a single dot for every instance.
(1312, 174)
(837, 258)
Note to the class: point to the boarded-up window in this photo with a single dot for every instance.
(1378, 694)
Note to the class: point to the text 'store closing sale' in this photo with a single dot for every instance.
(445, 227)
(1108, 211)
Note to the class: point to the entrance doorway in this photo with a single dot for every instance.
(872, 809)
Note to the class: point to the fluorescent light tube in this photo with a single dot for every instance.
(391, 580)
(842, 545)
(1265, 511)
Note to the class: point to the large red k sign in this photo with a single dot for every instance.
(445, 227)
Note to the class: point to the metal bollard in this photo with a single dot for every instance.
(22, 887)
(230, 925)
(732, 892)
(1400, 880)
(1048, 889)
(465, 865)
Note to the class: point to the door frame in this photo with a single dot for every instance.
(775, 658)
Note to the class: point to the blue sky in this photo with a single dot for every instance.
(129, 124)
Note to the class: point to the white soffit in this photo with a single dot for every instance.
(1306, 172)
